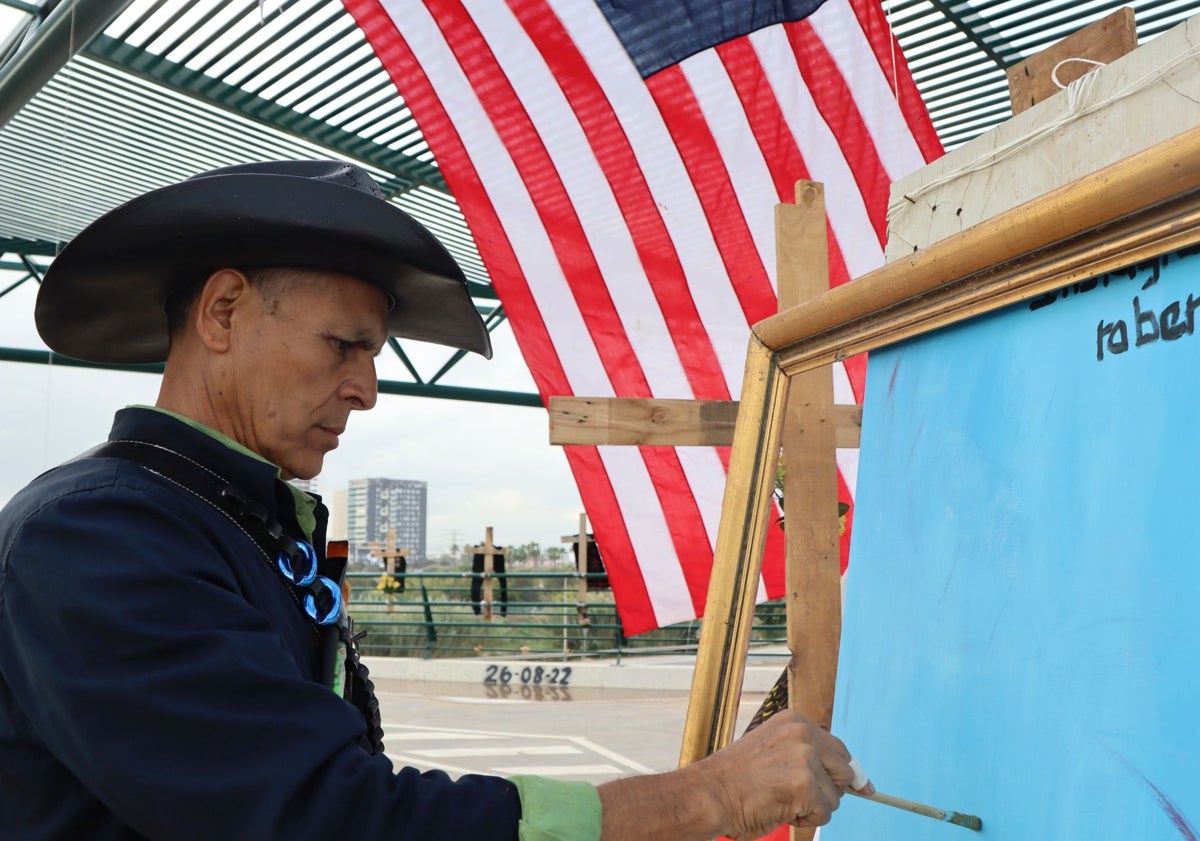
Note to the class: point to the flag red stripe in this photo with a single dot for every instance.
(835, 102)
(702, 160)
(786, 163)
(895, 68)
(504, 269)
(584, 232)
(620, 558)
(623, 171)
(856, 371)
(573, 250)
(783, 157)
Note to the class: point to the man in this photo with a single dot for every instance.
(170, 631)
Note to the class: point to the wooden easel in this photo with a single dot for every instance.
(809, 438)
(805, 430)
(489, 551)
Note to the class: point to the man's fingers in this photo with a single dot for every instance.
(831, 792)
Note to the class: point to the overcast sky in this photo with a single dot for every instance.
(485, 464)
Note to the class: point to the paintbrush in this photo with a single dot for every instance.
(957, 818)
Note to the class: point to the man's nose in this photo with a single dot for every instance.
(361, 388)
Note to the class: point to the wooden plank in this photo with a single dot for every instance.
(1104, 41)
(721, 654)
(1136, 102)
(599, 421)
(649, 422)
(1131, 210)
(810, 487)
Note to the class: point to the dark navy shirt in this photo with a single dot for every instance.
(157, 679)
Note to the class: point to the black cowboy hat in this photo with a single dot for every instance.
(102, 298)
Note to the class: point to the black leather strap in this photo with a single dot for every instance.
(254, 518)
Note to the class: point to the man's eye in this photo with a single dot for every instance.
(343, 344)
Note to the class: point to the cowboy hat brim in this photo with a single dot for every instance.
(102, 298)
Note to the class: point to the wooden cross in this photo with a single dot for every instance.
(489, 551)
(815, 428)
(581, 541)
(389, 554)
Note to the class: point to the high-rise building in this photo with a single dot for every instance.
(375, 506)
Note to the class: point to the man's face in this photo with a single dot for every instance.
(302, 360)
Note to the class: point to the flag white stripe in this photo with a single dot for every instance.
(668, 180)
(748, 171)
(661, 572)
(847, 458)
(590, 194)
(848, 218)
(514, 208)
(706, 476)
(841, 32)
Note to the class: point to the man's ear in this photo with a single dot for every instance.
(225, 292)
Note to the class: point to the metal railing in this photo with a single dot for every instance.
(534, 614)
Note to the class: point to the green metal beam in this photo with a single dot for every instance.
(976, 28)
(408, 172)
(11, 245)
(444, 392)
(71, 24)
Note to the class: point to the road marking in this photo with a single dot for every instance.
(404, 743)
(393, 733)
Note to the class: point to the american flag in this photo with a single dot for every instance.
(618, 164)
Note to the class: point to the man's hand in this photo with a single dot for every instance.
(787, 771)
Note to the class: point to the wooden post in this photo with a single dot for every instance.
(814, 615)
(1032, 80)
(581, 541)
(489, 552)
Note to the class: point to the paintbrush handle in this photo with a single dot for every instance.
(956, 818)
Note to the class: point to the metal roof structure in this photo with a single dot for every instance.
(106, 99)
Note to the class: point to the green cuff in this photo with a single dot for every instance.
(555, 810)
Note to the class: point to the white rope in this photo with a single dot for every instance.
(1077, 90)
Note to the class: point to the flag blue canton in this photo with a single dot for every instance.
(660, 33)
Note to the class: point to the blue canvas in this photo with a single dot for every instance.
(1022, 617)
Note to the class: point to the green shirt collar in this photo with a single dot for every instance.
(305, 505)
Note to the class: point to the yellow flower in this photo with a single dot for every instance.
(388, 584)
